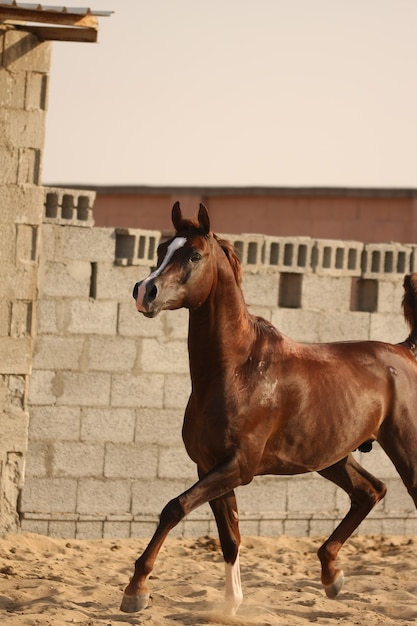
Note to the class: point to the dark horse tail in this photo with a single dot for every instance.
(410, 309)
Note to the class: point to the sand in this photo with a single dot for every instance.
(49, 582)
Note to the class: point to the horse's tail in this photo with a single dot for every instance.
(410, 307)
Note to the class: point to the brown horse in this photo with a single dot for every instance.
(262, 403)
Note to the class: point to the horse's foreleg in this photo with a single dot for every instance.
(218, 482)
(227, 520)
(364, 491)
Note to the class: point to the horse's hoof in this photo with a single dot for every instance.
(133, 604)
(333, 589)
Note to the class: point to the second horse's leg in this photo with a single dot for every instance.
(364, 491)
(227, 520)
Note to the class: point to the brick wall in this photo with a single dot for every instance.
(109, 387)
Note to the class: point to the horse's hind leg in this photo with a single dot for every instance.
(400, 444)
(226, 515)
(364, 491)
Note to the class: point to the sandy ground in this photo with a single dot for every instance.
(49, 582)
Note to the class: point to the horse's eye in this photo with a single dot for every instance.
(195, 257)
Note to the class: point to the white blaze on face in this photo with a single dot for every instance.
(175, 244)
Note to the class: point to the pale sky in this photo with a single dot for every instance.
(237, 92)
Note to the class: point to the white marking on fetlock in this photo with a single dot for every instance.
(334, 588)
(233, 590)
(175, 244)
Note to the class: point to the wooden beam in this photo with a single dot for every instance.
(55, 33)
(48, 17)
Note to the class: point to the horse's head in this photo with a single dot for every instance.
(183, 276)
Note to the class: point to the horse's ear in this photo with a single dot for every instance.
(176, 216)
(203, 219)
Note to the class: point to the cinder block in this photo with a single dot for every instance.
(150, 496)
(343, 326)
(394, 526)
(39, 459)
(117, 283)
(164, 356)
(8, 243)
(89, 529)
(266, 494)
(61, 529)
(36, 91)
(21, 204)
(161, 426)
(107, 424)
(386, 260)
(176, 324)
(143, 529)
(116, 530)
(289, 254)
(48, 316)
(297, 527)
(261, 288)
(133, 324)
(26, 129)
(322, 527)
(92, 317)
(67, 280)
(9, 167)
(54, 422)
(40, 527)
(19, 282)
(111, 354)
(337, 258)
(88, 244)
(177, 389)
(26, 243)
(5, 315)
(397, 497)
(378, 463)
(326, 293)
(136, 247)
(196, 528)
(390, 295)
(387, 327)
(15, 355)
(103, 496)
(271, 527)
(50, 495)
(130, 460)
(81, 389)
(23, 52)
(143, 391)
(69, 207)
(77, 459)
(56, 353)
(299, 324)
(173, 462)
(321, 495)
(21, 319)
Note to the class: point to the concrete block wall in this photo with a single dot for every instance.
(109, 387)
(24, 66)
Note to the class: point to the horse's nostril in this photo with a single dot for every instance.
(152, 293)
(135, 291)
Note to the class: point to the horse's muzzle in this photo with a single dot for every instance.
(144, 292)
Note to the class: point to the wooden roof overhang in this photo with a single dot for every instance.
(52, 23)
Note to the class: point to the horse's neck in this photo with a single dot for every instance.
(220, 329)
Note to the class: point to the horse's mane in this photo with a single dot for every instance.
(230, 252)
